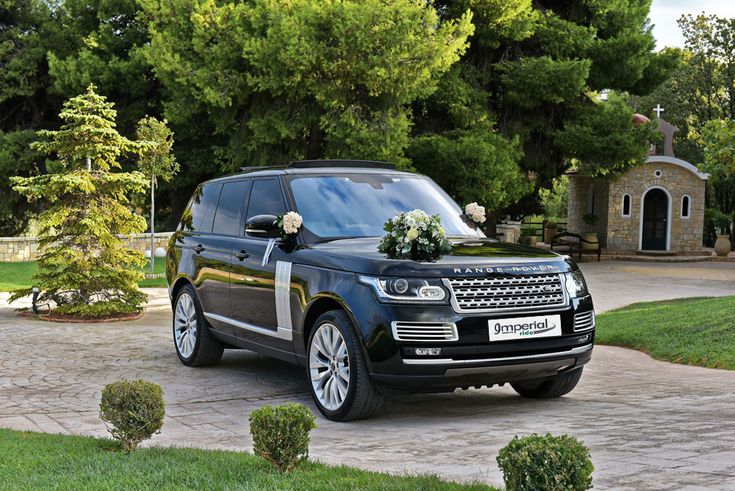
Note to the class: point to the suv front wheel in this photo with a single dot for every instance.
(338, 377)
(194, 343)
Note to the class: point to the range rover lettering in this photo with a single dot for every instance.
(363, 324)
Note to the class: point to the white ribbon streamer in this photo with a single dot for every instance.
(268, 250)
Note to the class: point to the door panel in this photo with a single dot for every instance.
(655, 224)
(211, 259)
(260, 295)
(253, 286)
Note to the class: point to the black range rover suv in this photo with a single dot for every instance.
(360, 323)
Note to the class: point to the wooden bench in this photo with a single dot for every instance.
(574, 244)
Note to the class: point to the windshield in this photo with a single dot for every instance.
(357, 205)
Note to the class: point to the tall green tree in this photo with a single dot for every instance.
(305, 78)
(717, 138)
(473, 166)
(536, 70)
(107, 51)
(85, 268)
(28, 29)
(156, 162)
(16, 158)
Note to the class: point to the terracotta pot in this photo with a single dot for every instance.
(723, 245)
(590, 237)
(549, 233)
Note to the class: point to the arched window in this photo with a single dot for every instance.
(686, 205)
(591, 200)
(626, 205)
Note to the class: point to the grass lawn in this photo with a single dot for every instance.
(41, 461)
(14, 276)
(699, 331)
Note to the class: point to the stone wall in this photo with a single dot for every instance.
(15, 249)
(579, 205)
(685, 233)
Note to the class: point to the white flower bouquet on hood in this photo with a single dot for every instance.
(414, 235)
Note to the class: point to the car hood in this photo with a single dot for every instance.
(469, 257)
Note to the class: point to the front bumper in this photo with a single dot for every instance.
(442, 374)
(472, 359)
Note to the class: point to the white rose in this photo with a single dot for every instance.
(412, 234)
(475, 212)
(291, 222)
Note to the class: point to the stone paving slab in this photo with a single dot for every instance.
(649, 424)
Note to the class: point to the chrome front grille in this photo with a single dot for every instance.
(424, 331)
(500, 293)
(584, 321)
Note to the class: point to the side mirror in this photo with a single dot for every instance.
(262, 226)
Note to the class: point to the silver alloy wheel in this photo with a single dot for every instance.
(329, 366)
(185, 325)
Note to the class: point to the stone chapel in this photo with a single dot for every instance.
(656, 207)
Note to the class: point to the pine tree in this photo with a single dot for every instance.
(85, 268)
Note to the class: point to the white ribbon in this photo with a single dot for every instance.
(268, 250)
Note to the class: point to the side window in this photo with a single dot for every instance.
(266, 198)
(198, 215)
(229, 207)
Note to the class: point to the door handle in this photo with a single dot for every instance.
(198, 248)
(242, 255)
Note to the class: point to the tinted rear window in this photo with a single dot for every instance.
(229, 208)
(200, 212)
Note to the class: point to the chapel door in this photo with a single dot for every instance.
(655, 225)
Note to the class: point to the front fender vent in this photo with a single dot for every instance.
(424, 332)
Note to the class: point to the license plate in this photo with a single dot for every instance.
(537, 326)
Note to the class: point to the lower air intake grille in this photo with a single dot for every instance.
(424, 332)
(584, 321)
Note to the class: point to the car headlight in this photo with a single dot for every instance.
(575, 284)
(406, 290)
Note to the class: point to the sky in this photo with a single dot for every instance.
(664, 14)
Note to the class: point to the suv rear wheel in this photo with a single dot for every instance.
(550, 387)
(338, 377)
(194, 343)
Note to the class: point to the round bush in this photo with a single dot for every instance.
(551, 463)
(281, 434)
(133, 410)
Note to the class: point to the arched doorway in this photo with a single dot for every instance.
(655, 218)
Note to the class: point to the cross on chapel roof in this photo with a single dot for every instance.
(668, 130)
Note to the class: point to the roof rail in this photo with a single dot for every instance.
(254, 168)
(307, 164)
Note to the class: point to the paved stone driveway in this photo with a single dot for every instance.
(649, 424)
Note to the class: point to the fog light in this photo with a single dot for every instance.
(583, 339)
(428, 351)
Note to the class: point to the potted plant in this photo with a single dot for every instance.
(590, 219)
(722, 222)
(550, 230)
(528, 236)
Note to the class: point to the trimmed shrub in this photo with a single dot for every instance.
(281, 434)
(551, 463)
(133, 411)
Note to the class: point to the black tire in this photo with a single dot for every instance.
(549, 388)
(363, 397)
(207, 350)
